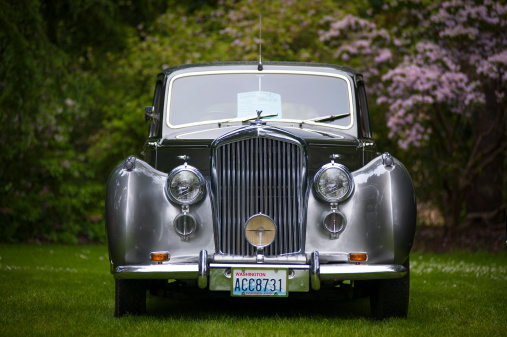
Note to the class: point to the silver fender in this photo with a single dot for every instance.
(139, 218)
(380, 217)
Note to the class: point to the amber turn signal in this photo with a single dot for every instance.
(159, 256)
(358, 257)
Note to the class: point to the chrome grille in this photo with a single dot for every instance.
(259, 175)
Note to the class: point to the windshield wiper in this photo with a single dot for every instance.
(327, 118)
(260, 117)
(239, 119)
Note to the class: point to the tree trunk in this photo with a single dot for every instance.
(485, 203)
(453, 204)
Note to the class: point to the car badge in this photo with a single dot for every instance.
(258, 120)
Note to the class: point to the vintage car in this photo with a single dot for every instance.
(260, 180)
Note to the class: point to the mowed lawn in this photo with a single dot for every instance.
(67, 290)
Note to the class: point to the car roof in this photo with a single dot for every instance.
(322, 66)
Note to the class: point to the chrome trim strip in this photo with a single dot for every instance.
(284, 259)
(167, 100)
(259, 266)
(158, 271)
(361, 271)
(315, 271)
(202, 281)
(333, 257)
(189, 134)
(327, 271)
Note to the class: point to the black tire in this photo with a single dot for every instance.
(389, 298)
(130, 297)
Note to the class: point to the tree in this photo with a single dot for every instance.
(74, 76)
(441, 74)
(53, 62)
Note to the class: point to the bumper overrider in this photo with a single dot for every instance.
(217, 276)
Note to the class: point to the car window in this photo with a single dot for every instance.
(202, 98)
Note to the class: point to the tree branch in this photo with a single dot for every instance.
(485, 217)
(479, 159)
(444, 125)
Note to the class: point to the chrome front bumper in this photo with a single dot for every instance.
(301, 276)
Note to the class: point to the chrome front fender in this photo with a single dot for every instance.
(139, 218)
(380, 216)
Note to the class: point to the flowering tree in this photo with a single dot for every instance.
(441, 73)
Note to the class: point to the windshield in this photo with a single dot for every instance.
(277, 96)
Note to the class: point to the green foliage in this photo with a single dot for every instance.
(52, 103)
(75, 76)
(50, 289)
(33, 117)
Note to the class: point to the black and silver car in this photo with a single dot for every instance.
(260, 180)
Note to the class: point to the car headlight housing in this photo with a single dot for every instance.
(185, 185)
(333, 183)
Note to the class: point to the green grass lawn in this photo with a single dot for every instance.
(67, 290)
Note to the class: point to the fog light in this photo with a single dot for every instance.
(185, 224)
(260, 230)
(159, 256)
(334, 222)
(358, 257)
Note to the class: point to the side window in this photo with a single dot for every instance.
(158, 105)
(365, 115)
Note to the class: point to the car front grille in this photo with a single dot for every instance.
(259, 175)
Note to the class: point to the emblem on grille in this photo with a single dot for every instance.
(260, 230)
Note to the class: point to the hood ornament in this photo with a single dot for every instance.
(258, 121)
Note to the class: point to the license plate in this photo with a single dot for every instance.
(259, 282)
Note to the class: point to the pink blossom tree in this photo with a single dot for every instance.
(440, 70)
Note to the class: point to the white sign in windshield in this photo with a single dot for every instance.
(250, 102)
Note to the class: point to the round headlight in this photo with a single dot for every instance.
(185, 185)
(333, 183)
(260, 230)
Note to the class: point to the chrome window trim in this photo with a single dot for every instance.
(168, 92)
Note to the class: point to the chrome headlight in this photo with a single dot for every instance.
(333, 183)
(185, 185)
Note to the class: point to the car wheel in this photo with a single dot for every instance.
(389, 298)
(130, 297)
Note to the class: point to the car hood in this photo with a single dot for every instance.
(196, 143)
(314, 136)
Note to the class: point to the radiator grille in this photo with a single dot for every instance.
(259, 175)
